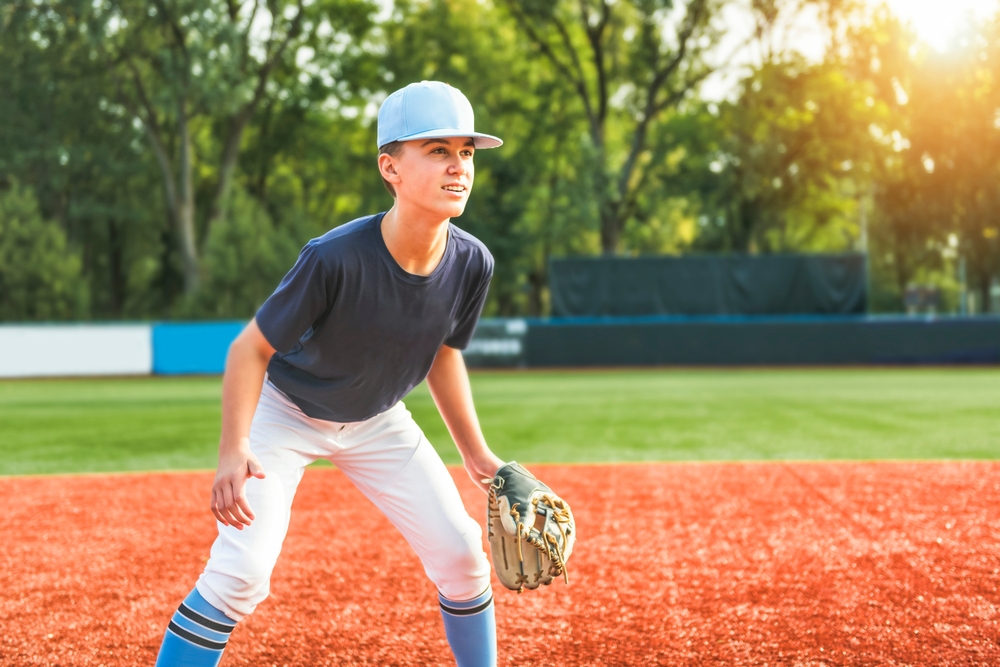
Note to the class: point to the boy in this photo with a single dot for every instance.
(368, 311)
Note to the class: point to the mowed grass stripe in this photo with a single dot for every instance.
(103, 425)
(743, 414)
(93, 425)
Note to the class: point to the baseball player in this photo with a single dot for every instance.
(369, 310)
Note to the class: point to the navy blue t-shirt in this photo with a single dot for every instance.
(354, 332)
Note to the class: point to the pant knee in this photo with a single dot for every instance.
(235, 597)
(464, 572)
(237, 586)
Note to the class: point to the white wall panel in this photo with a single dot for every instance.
(75, 349)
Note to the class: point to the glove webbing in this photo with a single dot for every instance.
(557, 510)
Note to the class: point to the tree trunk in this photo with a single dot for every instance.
(611, 232)
(745, 221)
(180, 201)
(184, 218)
(902, 268)
(608, 208)
(537, 280)
(117, 286)
(985, 282)
(230, 155)
(238, 123)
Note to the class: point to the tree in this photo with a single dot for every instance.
(39, 275)
(778, 169)
(628, 63)
(937, 189)
(194, 70)
(245, 257)
(83, 160)
(957, 138)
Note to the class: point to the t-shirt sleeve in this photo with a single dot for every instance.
(302, 298)
(465, 325)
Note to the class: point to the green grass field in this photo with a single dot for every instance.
(91, 425)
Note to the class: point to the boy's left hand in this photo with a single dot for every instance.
(483, 468)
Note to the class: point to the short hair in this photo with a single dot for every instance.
(392, 149)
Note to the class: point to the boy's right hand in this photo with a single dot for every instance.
(229, 500)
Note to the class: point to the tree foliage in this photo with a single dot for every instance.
(194, 72)
(937, 187)
(39, 274)
(183, 151)
(628, 64)
(777, 168)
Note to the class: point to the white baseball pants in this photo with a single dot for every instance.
(387, 458)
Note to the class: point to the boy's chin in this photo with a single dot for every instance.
(440, 209)
(452, 210)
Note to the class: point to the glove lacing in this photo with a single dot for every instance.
(559, 513)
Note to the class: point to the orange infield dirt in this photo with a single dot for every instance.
(677, 564)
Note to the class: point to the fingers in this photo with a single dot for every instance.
(484, 476)
(483, 483)
(255, 468)
(229, 503)
(246, 515)
(221, 504)
(478, 477)
(216, 504)
(235, 500)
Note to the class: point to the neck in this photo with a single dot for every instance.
(417, 242)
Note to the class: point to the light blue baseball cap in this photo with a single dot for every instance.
(429, 110)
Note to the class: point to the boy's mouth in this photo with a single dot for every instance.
(454, 188)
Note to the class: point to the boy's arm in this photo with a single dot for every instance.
(246, 364)
(448, 381)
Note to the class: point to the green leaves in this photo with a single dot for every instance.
(178, 142)
(245, 258)
(778, 168)
(39, 275)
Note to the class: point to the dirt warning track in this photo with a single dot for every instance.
(677, 564)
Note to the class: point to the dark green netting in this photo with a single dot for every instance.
(709, 285)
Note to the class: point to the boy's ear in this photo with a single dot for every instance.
(387, 168)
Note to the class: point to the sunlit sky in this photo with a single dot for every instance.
(938, 21)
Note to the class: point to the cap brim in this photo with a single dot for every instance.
(482, 140)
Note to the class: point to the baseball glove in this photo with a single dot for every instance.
(531, 530)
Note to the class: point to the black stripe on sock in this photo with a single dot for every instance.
(195, 639)
(191, 614)
(467, 612)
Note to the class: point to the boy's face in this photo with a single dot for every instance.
(433, 174)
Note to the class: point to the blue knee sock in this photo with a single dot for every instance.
(196, 636)
(471, 629)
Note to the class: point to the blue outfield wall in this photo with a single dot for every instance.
(192, 348)
(188, 348)
(201, 347)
